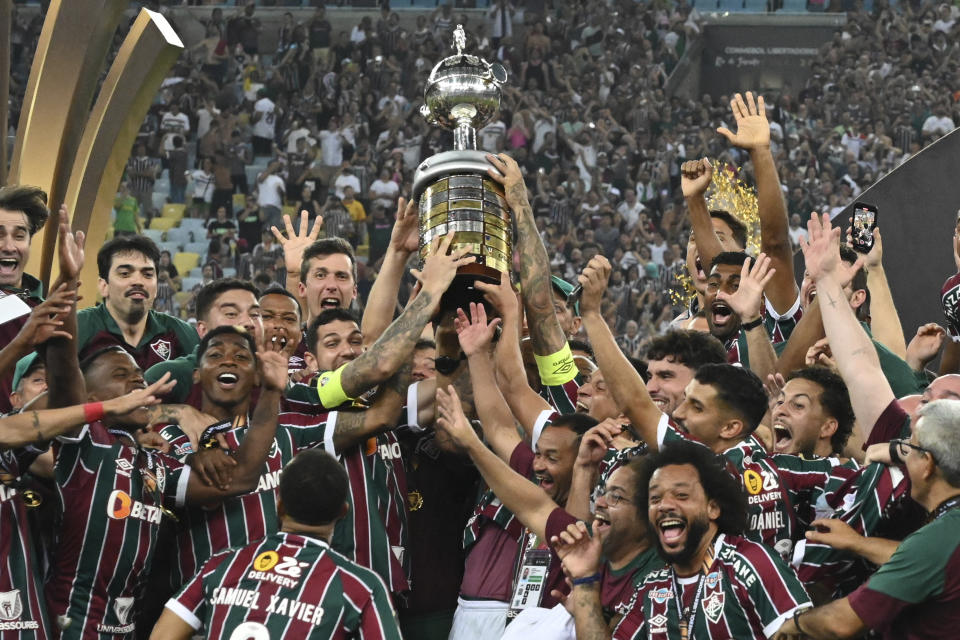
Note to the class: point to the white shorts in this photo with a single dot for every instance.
(542, 624)
(479, 620)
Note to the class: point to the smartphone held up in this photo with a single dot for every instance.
(864, 222)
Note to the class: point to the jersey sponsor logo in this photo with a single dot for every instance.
(124, 467)
(661, 595)
(713, 606)
(121, 506)
(11, 607)
(658, 623)
(285, 571)
(390, 451)
(752, 482)
(122, 608)
(162, 348)
(712, 579)
(269, 481)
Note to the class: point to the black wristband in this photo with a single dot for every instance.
(796, 619)
(753, 324)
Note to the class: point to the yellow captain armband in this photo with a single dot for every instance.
(557, 369)
(329, 389)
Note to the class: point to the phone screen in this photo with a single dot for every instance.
(864, 222)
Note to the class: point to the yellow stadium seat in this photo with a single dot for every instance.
(163, 224)
(182, 298)
(239, 200)
(290, 210)
(174, 211)
(185, 261)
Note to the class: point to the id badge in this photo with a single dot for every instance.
(531, 581)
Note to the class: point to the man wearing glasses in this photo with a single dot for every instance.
(916, 592)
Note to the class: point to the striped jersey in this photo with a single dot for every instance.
(110, 496)
(779, 328)
(286, 586)
(239, 520)
(562, 397)
(770, 514)
(746, 592)
(23, 610)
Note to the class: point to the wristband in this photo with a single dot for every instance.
(329, 390)
(587, 580)
(93, 411)
(557, 369)
(753, 324)
(895, 453)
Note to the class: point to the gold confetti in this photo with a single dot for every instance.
(730, 193)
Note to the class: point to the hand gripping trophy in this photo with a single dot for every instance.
(453, 189)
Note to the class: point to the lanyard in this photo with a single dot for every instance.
(150, 481)
(687, 616)
(945, 506)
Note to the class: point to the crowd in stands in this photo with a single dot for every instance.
(275, 424)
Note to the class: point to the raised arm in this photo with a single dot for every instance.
(395, 347)
(476, 337)
(545, 330)
(695, 176)
(853, 351)
(626, 385)
(884, 319)
(753, 134)
(526, 500)
(354, 427)
(382, 300)
(747, 303)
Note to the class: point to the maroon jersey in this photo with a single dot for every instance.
(950, 301)
(286, 586)
(32, 294)
(23, 610)
(111, 497)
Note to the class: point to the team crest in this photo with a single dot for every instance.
(122, 607)
(11, 607)
(162, 348)
(713, 607)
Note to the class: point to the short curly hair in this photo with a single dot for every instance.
(719, 484)
(32, 201)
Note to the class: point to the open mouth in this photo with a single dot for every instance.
(582, 407)
(699, 265)
(782, 438)
(546, 482)
(8, 265)
(228, 380)
(811, 294)
(671, 531)
(329, 303)
(600, 523)
(722, 313)
(660, 401)
(281, 339)
(137, 294)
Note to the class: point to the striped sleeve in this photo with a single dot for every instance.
(378, 621)
(773, 587)
(180, 446)
(190, 604)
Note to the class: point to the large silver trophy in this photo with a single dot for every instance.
(453, 189)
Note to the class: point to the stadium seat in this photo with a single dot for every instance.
(184, 262)
(173, 211)
(180, 235)
(229, 272)
(199, 248)
(196, 272)
(194, 224)
(158, 199)
(172, 247)
(239, 200)
(163, 224)
(154, 234)
(187, 284)
(182, 298)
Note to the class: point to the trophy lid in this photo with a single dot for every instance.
(462, 88)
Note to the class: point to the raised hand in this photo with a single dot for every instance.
(821, 247)
(695, 176)
(295, 243)
(273, 365)
(502, 296)
(593, 279)
(873, 258)
(774, 387)
(579, 552)
(405, 236)
(820, 355)
(46, 318)
(747, 301)
(753, 129)
(507, 172)
(474, 333)
(925, 346)
(150, 439)
(451, 420)
(440, 268)
(214, 467)
(596, 442)
(71, 248)
(146, 397)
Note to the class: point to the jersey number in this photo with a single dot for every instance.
(250, 631)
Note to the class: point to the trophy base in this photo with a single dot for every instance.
(463, 291)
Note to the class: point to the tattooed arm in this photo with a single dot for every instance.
(41, 426)
(354, 427)
(395, 347)
(545, 331)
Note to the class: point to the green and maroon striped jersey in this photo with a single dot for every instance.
(286, 586)
(562, 397)
(770, 514)
(239, 520)
(110, 498)
(23, 610)
(165, 337)
(747, 592)
(779, 329)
